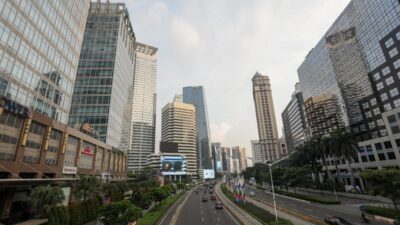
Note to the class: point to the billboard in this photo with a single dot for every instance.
(173, 165)
(169, 147)
(208, 174)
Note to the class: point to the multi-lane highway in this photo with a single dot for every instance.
(349, 212)
(191, 210)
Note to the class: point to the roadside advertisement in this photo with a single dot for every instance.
(173, 165)
(208, 174)
(69, 170)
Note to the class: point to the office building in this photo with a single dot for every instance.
(140, 132)
(217, 156)
(105, 74)
(195, 95)
(239, 154)
(178, 125)
(353, 70)
(266, 122)
(40, 43)
(294, 120)
(226, 157)
(255, 150)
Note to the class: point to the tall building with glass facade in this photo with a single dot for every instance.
(40, 43)
(265, 114)
(294, 120)
(357, 64)
(141, 138)
(255, 151)
(105, 74)
(178, 125)
(196, 96)
(217, 156)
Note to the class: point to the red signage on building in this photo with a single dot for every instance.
(88, 151)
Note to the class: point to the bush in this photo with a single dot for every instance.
(52, 217)
(311, 198)
(380, 211)
(120, 213)
(260, 214)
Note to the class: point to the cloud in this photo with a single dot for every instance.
(219, 131)
(184, 36)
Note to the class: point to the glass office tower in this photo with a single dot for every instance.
(195, 95)
(105, 75)
(142, 128)
(40, 43)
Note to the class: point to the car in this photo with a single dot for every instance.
(211, 191)
(213, 197)
(218, 205)
(335, 220)
(204, 199)
(252, 193)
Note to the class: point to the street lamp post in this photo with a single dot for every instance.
(272, 182)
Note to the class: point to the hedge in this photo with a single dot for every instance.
(311, 198)
(380, 211)
(262, 215)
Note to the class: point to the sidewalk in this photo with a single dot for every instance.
(235, 211)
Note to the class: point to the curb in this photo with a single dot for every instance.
(298, 215)
(162, 217)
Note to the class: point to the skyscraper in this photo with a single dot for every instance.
(266, 122)
(256, 153)
(217, 156)
(294, 120)
(178, 125)
(141, 138)
(239, 153)
(351, 79)
(196, 96)
(105, 75)
(40, 43)
(226, 157)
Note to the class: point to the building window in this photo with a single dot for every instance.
(391, 155)
(398, 143)
(396, 103)
(376, 76)
(396, 64)
(378, 146)
(362, 149)
(386, 70)
(365, 105)
(389, 42)
(387, 107)
(381, 157)
(364, 158)
(391, 119)
(394, 92)
(393, 52)
(389, 81)
(379, 86)
(388, 144)
(384, 97)
(371, 158)
(373, 101)
(369, 148)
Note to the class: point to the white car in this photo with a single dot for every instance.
(252, 193)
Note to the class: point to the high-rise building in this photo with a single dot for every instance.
(196, 96)
(353, 71)
(239, 153)
(105, 74)
(294, 120)
(140, 136)
(40, 43)
(178, 125)
(217, 156)
(266, 122)
(226, 157)
(255, 150)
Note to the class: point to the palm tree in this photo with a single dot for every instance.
(46, 197)
(88, 186)
(345, 147)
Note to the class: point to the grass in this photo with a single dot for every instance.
(262, 215)
(158, 211)
(380, 211)
(311, 198)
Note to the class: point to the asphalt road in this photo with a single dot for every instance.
(349, 212)
(196, 212)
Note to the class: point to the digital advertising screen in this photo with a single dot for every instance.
(173, 165)
(208, 174)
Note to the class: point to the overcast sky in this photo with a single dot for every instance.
(220, 44)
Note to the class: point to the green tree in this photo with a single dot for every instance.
(345, 146)
(88, 187)
(384, 182)
(46, 197)
(120, 213)
(158, 194)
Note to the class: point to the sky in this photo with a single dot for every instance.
(221, 44)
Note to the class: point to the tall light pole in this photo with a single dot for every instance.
(270, 164)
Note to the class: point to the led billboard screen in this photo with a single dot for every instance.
(173, 165)
(208, 174)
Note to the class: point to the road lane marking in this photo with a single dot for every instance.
(202, 219)
(218, 219)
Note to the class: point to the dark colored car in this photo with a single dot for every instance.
(334, 220)
(218, 205)
(204, 199)
(213, 197)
